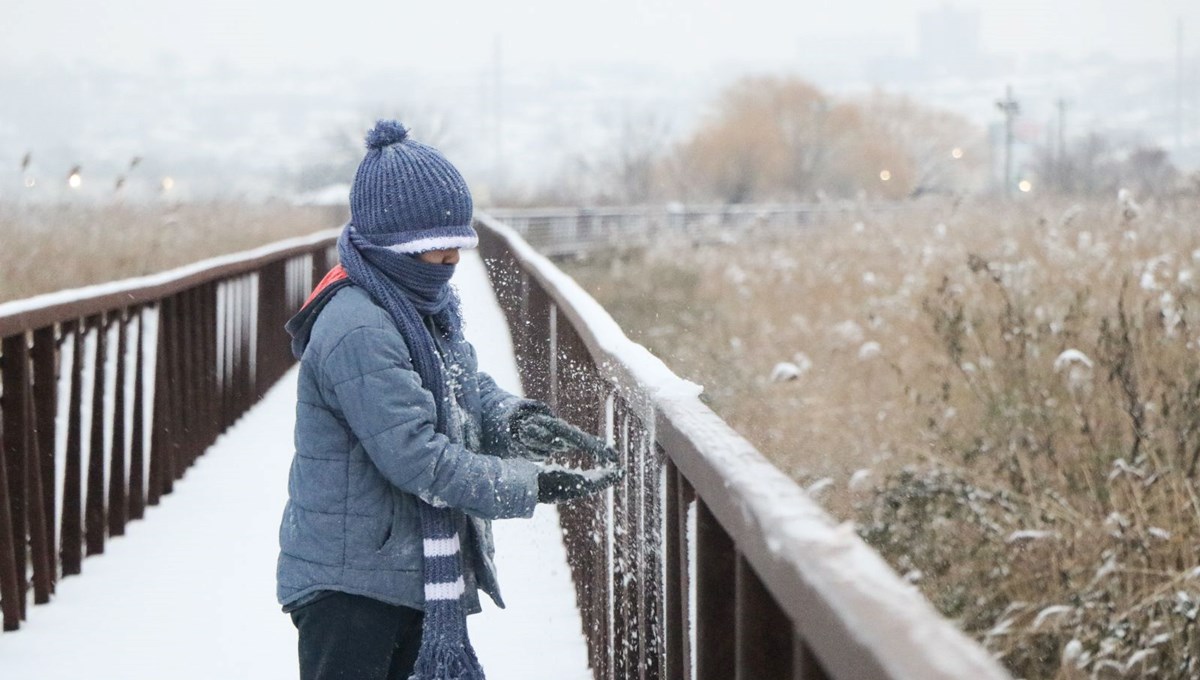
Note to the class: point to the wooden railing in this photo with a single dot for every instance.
(111, 392)
(706, 561)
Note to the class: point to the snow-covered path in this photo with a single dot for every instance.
(188, 593)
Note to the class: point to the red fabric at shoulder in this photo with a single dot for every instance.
(336, 274)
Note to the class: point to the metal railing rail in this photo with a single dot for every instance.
(109, 393)
(557, 231)
(705, 561)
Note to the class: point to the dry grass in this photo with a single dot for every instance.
(1044, 498)
(45, 248)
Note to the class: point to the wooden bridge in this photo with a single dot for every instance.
(705, 562)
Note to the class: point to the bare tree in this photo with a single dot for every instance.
(634, 161)
(337, 158)
(767, 138)
(933, 151)
(1100, 165)
(1150, 172)
(782, 138)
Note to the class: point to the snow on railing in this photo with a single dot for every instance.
(110, 393)
(705, 561)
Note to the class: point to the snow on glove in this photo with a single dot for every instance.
(539, 435)
(556, 485)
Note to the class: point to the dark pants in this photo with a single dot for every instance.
(350, 637)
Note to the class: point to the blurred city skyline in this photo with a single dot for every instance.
(459, 36)
(245, 98)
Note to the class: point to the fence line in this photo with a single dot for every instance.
(706, 561)
(110, 392)
(559, 231)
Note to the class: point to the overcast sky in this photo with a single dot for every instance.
(437, 35)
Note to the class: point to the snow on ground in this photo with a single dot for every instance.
(189, 593)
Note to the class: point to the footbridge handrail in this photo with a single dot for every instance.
(706, 561)
(138, 377)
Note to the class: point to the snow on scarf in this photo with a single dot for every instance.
(409, 289)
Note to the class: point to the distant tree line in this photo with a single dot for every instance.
(1103, 165)
(780, 138)
(774, 138)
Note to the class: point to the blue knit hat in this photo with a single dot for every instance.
(408, 197)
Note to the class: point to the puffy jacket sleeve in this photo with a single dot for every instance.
(371, 382)
(499, 407)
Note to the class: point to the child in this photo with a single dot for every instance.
(404, 451)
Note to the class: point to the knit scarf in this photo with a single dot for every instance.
(409, 289)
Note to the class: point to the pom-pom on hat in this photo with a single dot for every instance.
(408, 197)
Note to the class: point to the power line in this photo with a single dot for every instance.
(1061, 153)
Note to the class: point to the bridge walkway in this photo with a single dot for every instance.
(177, 598)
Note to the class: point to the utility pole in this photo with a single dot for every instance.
(1062, 128)
(498, 129)
(1010, 108)
(1179, 87)
(1061, 155)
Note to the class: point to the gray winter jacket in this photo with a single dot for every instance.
(367, 449)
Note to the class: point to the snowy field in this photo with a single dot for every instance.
(188, 594)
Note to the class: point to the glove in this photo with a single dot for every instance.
(538, 435)
(556, 485)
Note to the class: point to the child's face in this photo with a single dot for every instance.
(446, 256)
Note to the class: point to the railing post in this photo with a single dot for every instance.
(45, 402)
(94, 524)
(177, 423)
(189, 419)
(163, 434)
(212, 397)
(117, 497)
(652, 606)
(535, 361)
(71, 539)
(225, 350)
(625, 573)
(137, 444)
(674, 553)
(764, 632)
(271, 308)
(39, 543)
(715, 617)
(246, 332)
(15, 422)
(11, 594)
(27, 507)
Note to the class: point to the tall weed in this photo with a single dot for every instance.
(45, 248)
(1005, 398)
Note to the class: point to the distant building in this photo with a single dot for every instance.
(949, 44)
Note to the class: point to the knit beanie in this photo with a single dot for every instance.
(406, 196)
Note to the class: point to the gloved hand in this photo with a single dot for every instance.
(539, 435)
(556, 485)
